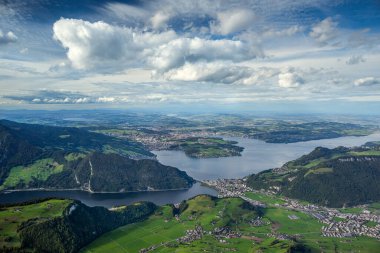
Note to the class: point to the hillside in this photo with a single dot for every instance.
(29, 158)
(72, 139)
(203, 224)
(62, 226)
(96, 172)
(332, 177)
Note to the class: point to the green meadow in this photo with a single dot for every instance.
(39, 170)
(11, 217)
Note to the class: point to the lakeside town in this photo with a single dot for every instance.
(336, 223)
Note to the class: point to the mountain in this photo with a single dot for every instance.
(100, 172)
(331, 177)
(14, 150)
(35, 156)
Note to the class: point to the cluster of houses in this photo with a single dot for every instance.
(228, 187)
(224, 232)
(339, 224)
(348, 225)
(157, 138)
(281, 236)
(258, 222)
(192, 235)
(350, 228)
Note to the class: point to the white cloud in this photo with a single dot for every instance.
(160, 19)
(366, 81)
(355, 60)
(233, 21)
(179, 51)
(91, 43)
(289, 79)
(6, 38)
(324, 32)
(218, 72)
(102, 46)
(208, 72)
(106, 99)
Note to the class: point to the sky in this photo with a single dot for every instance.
(309, 54)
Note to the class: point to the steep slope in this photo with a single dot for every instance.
(61, 226)
(14, 150)
(97, 172)
(332, 177)
(35, 156)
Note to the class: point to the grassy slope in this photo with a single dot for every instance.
(40, 169)
(164, 228)
(309, 228)
(12, 217)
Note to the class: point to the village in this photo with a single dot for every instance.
(336, 223)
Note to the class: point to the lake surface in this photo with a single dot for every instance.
(257, 156)
(110, 199)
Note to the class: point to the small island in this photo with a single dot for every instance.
(201, 147)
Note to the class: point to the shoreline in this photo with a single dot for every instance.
(91, 192)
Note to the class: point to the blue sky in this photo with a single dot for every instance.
(119, 54)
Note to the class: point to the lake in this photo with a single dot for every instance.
(110, 199)
(257, 156)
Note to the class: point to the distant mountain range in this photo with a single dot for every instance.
(332, 177)
(37, 156)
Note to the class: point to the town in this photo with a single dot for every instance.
(336, 223)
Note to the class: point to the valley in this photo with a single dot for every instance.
(268, 211)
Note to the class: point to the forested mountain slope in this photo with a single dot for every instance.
(332, 177)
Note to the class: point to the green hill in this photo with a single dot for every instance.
(71, 139)
(35, 156)
(56, 225)
(332, 177)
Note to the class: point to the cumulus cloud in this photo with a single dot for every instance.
(289, 79)
(355, 60)
(179, 51)
(203, 72)
(324, 32)
(100, 45)
(221, 73)
(233, 21)
(89, 44)
(160, 19)
(366, 81)
(6, 38)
